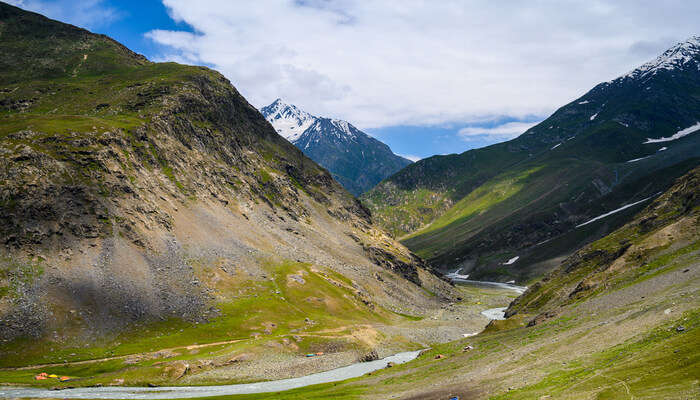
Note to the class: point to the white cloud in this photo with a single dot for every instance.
(410, 157)
(90, 14)
(504, 131)
(381, 63)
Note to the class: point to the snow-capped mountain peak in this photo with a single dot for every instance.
(291, 122)
(355, 159)
(677, 57)
(288, 120)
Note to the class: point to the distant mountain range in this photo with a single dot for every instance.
(537, 196)
(356, 160)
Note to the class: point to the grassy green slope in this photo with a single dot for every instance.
(665, 232)
(423, 191)
(26, 56)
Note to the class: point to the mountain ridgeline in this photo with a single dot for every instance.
(621, 143)
(152, 197)
(356, 160)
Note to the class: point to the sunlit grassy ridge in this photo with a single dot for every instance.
(481, 199)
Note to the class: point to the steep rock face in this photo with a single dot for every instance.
(127, 187)
(357, 161)
(622, 142)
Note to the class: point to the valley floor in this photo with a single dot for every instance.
(273, 356)
(639, 341)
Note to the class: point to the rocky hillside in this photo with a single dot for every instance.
(151, 197)
(356, 160)
(621, 143)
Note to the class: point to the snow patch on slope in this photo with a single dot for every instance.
(637, 159)
(677, 135)
(512, 260)
(456, 275)
(613, 212)
(344, 128)
(495, 313)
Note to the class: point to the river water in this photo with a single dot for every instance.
(181, 392)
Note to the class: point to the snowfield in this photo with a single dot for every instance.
(613, 212)
(678, 135)
(637, 159)
(512, 260)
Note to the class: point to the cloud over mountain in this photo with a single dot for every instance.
(380, 64)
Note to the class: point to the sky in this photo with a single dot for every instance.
(426, 77)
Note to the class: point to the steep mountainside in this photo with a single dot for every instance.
(356, 160)
(148, 206)
(622, 142)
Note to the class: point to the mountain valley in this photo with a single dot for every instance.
(160, 238)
